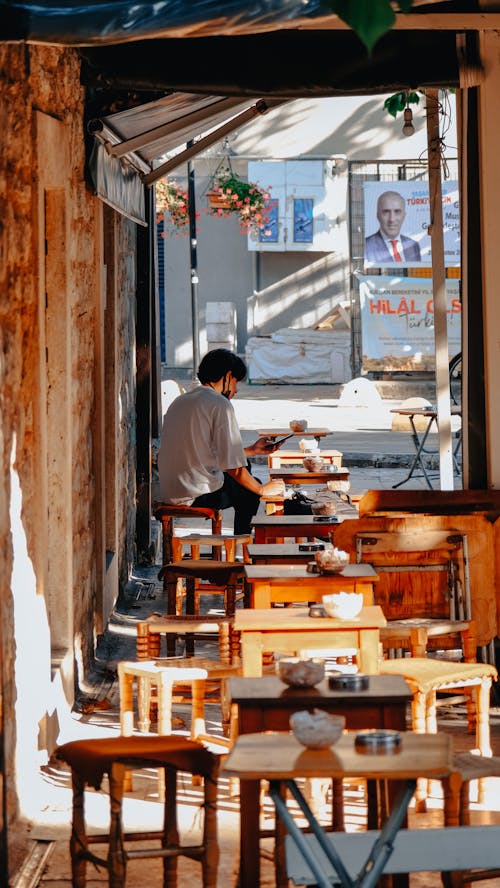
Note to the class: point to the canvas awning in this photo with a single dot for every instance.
(129, 144)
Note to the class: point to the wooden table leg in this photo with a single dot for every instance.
(252, 647)
(249, 875)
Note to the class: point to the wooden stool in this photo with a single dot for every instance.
(425, 677)
(149, 648)
(225, 541)
(155, 684)
(456, 790)
(166, 513)
(149, 636)
(162, 679)
(91, 759)
(226, 577)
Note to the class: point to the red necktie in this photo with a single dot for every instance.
(395, 251)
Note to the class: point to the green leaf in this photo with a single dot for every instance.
(370, 19)
(396, 103)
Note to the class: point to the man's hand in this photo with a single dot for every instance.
(273, 488)
(260, 446)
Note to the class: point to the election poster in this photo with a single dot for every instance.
(397, 322)
(396, 224)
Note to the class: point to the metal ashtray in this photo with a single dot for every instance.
(311, 547)
(317, 610)
(378, 742)
(346, 682)
(326, 519)
(312, 567)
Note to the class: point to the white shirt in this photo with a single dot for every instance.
(200, 440)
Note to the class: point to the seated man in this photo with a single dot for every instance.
(202, 461)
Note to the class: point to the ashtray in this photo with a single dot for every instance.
(317, 610)
(378, 742)
(343, 682)
(311, 547)
(328, 519)
(312, 567)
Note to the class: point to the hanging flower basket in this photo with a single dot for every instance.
(218, 201)
(172, 206)
(229, 195)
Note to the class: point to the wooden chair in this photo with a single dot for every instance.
(423, 588)
(166, 514)
(90, 760)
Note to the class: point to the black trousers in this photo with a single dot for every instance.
(233, 495)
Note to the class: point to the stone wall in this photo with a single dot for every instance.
(53, 493)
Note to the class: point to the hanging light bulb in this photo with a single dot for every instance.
(408, 128)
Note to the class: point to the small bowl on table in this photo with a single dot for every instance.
(313, 463)
(298, 425)
(331, 560)
(343, 605)
(317, 729)
(299, 673)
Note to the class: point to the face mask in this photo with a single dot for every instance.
(225, 391)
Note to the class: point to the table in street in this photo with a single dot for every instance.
(279, 758)
(420, 440)
(300, 475)
(317, 433)
(266, 704)
(291, 629)
(269, 528)
(270, 584)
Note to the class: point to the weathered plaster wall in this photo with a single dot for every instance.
(41, 85)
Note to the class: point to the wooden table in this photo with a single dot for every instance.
(279, 757)
(265, 704)
(300, 475)
(284, 457)
(291, 629)
(269, 528)
(307, 433)
(269, 584)
(283, 553)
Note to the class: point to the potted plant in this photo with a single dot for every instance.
(230, 195)
(171, 198)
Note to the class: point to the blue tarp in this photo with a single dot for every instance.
(104, 22)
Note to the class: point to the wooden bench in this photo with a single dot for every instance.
(447, 850)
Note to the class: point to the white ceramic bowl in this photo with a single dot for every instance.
(317, 729)
(343, 605)
(299, 673)
(309, 445)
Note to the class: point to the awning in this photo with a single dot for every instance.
(129, 144)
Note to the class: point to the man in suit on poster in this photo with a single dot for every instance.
(388, 245)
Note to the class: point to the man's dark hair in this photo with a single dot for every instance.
(217, 363)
